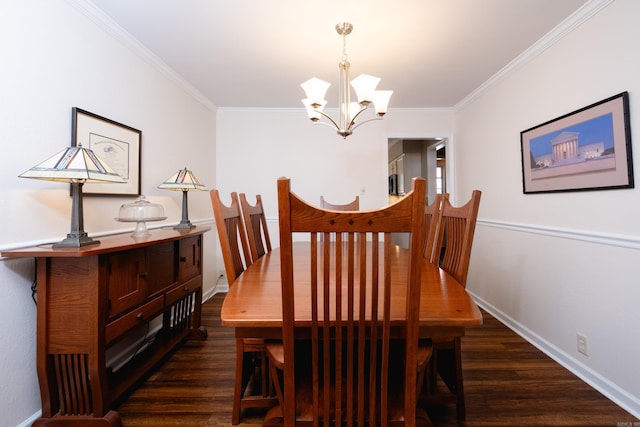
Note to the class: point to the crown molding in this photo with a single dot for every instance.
(580, 16)
(421, 110)
(102, 20)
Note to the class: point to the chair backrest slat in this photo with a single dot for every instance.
(354, 342)
(231, 233)
(256, 223)
(432, 221)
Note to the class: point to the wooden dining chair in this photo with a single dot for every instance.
(353, 205)
(251, 360)
(454, 240)
(256, 224)
(455, 236)
(432, 220)
(359, 358)
(232, 235)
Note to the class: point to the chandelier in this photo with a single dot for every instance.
(364, 86)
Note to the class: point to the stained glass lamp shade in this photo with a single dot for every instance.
(76, 165)
(184, 180)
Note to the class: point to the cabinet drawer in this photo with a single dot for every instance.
(183, 290)
(136, 317)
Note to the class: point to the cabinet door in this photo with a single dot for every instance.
(190, 258)
(126, 280)
(162, 269)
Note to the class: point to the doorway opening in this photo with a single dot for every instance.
(413, 157)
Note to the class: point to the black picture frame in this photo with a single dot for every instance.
(117, 144)
(587, 149)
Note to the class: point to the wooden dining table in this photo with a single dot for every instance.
(253, 305)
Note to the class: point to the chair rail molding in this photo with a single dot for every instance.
(632, 242)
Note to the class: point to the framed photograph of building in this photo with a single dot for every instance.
(588, 149)
(117, 144)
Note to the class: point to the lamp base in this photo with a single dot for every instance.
(184, 225)
(76, 241)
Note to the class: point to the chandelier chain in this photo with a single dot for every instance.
(344, 47)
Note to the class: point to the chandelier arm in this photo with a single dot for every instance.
(328, 117)
(331, 125)
(366, 121)
(353, 120)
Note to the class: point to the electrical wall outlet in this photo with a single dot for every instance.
(582, 344)
(221, 274)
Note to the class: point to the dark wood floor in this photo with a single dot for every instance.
(508, 382)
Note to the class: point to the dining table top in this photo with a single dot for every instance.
(253, 304)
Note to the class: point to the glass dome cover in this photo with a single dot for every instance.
(139, 212)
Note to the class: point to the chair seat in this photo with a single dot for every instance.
(304, 391)
(425, 350)
(253, 344)
(275, 351)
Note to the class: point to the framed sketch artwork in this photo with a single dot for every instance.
(117, 144)
(588, 149)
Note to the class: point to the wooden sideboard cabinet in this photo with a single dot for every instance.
(92, 297)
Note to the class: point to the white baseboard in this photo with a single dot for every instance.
(220, 288)
(30, 420)
(614, 393)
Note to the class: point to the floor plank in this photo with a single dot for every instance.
(508, 382)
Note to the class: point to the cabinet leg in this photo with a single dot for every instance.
(199, 333)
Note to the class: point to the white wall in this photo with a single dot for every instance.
(55, 58)
(256, 147)
(549, 265)
(552, 265)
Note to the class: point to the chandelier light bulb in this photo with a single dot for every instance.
(314, 110)
(381, 100)
(365, 86)
(315, 89)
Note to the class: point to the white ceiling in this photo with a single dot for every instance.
(255, 53)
